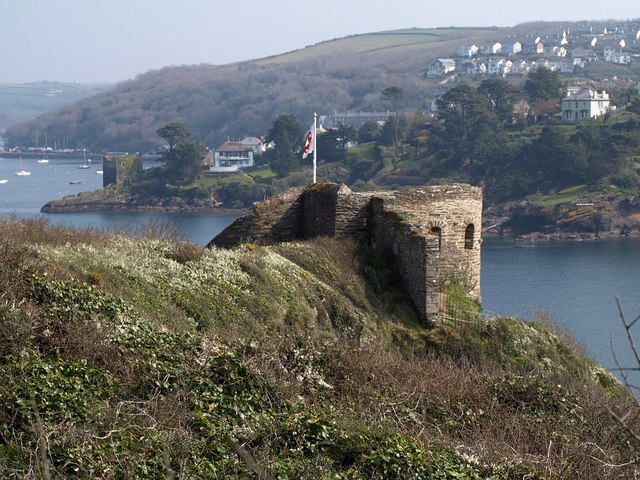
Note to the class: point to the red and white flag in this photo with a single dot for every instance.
(308, 143)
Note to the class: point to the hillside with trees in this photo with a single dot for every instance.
(218, 102)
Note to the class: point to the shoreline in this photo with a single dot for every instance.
(143, 208)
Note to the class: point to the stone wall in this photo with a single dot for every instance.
(431, 233)
(437, 227)
(118, 169)
(278, 219)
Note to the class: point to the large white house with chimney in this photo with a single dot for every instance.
(586, 103)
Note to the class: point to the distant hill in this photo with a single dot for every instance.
(217, 102)
(20, 102)
(230, 101)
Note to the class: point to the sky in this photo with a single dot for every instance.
(106, 41)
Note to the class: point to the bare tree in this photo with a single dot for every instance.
(393, 95)
(626, 372)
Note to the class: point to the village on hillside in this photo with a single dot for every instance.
(565, 51)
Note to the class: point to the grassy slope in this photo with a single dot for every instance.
(149, 358)
(378, 42)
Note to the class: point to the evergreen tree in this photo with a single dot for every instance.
(287, 136)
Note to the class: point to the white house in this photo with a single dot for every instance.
(618, 57)
(536, 48)
(586, 103)
(521, 67)
(491, 48)
(255, 144)
(476, 68)
(499, 66)
(231, 157)
(513, 49)
(467, 51)
(440, 67)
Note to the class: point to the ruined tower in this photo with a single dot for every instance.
(431, 233)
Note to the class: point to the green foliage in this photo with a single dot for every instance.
(66, 300)
(543, 84)
(175, 361)
(369, 132)
(173, 133)
(184, 161)
(287, 135)
(566, 195)
(52, 389)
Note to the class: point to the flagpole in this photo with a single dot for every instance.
(315, 124)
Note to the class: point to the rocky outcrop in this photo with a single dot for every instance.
(610, 216)
(106, 200)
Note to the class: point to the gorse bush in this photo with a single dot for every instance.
(146, 358)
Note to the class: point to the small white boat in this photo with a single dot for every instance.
(84, 154)
(75, 182)
(21, 173)
(3, 180)
(44, 159)
(99, 172)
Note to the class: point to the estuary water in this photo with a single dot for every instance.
(576, 283)
(24, 196)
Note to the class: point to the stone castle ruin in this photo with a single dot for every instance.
(432, 233)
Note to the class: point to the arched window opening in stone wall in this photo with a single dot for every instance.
(468, 236)
(434, 240)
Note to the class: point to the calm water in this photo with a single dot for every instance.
(575, 282)
(24, 196)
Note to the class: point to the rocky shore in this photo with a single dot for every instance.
(103, 200)
(610, 216)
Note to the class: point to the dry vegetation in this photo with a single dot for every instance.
(152, 358)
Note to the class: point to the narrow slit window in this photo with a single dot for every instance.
(468, 236)
(434, 241)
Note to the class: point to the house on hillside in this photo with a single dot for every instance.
(555, 51)
(231, 157)
(586, 103)
(475, 67)
(491, 48)
(441, 67)
(617, 56)
(255, 144)
(523, 67)
(512, 48)
(499, 66)
(467, 51)
(354, 119)
(536, 48)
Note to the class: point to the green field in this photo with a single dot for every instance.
(379, 41)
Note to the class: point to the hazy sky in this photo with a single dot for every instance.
(113, 40)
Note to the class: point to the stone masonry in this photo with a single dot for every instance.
(432, 233)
